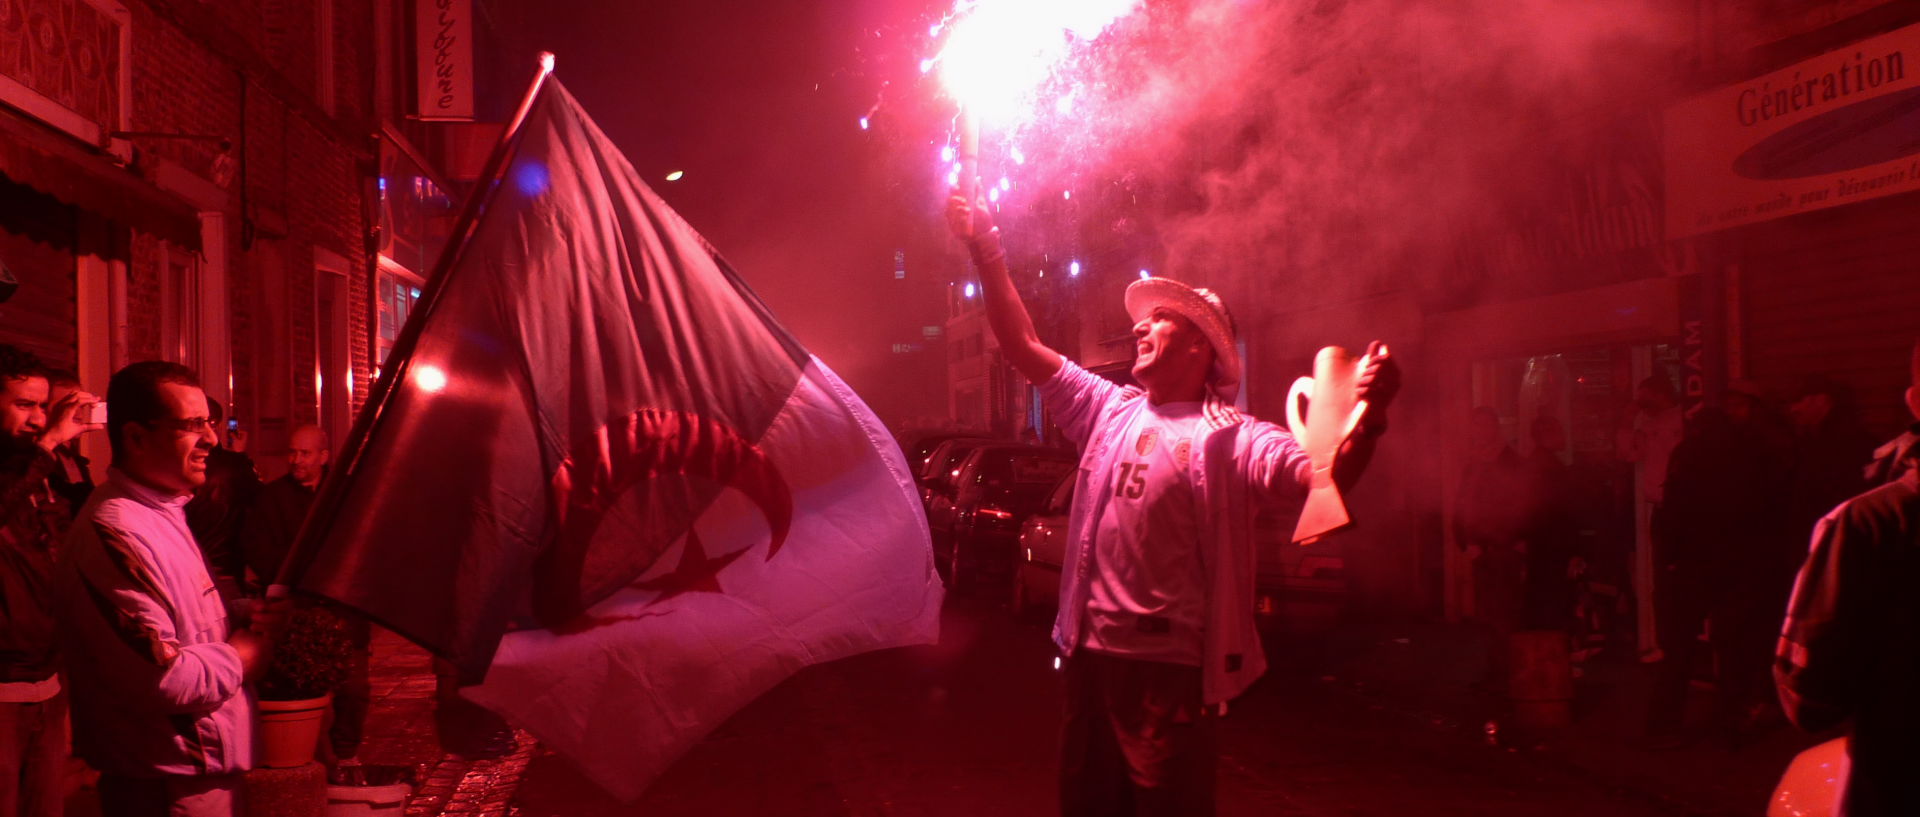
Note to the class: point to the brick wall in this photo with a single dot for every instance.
(353, 78)
(180, 87)
(289, 29)
(198, 67)
(145, 265)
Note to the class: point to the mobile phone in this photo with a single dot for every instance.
(233, 424)
(93, 412)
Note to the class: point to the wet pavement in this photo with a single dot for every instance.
(967, 727)
(1428, 673)
(1373, 720)
(401, 732)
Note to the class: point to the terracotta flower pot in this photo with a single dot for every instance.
(290, 730)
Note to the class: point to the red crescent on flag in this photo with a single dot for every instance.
(627, 451)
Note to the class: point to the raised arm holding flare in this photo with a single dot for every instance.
(1005, 313)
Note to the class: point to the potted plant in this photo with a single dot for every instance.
(309, 661)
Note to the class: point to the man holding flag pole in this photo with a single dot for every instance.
(602, 481)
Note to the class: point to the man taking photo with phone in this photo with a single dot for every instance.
(34, 516)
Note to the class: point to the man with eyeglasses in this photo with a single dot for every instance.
(159, 673)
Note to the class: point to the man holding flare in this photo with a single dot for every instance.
(1156, 612)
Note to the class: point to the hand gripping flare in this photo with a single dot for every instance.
(1333, 411)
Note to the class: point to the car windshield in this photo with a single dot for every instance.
(1062, 496)
(924, 450)
(946, 458)
(1025, 469)
(931, 463)
(922, 462)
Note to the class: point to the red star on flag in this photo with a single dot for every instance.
(696, 572)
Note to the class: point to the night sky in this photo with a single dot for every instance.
(759, 104)
(1280, 151)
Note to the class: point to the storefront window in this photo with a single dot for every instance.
(416, 211)
(397, 293)
(1576, 407)
(416, 215)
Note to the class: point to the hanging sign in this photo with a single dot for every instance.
(1833, 130)
(443, 59)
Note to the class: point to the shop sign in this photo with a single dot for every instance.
(1835, 129)
(1596, 220)
(443, 59)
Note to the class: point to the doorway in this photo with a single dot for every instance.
(333, 363)
(1587, 394)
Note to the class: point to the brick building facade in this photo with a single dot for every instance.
(207, 182)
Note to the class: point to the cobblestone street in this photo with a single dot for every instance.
(400, 732)
(967, 727)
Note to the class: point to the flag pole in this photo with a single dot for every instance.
(333, 488)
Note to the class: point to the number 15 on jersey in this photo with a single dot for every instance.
(1132, 482)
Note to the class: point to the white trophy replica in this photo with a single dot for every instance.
(1334, 410)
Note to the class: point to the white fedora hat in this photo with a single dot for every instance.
(1202, 306)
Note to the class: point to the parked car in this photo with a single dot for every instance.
(922, 447)
(1298, 589)
(1042, 548)
(975, 517)
(942, 466)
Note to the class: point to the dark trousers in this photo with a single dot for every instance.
(1136, 740)
(33, 757)
(1549, 592)
(214, 795)
(1744, 611)
(351, 700)
(1680, 610)
(1499, 603)
(464, 727)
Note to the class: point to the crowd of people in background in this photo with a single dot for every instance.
(143, 599)
(136, 615)
(140, 603)
(1731, 493)
(127, 644)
